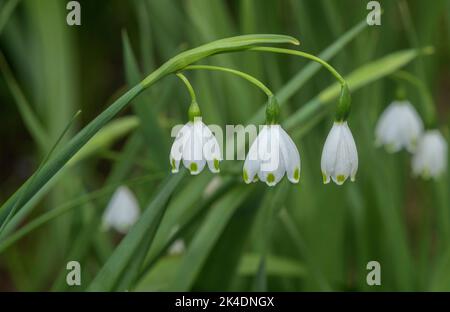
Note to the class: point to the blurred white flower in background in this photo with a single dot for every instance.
(178, 247)
(271, 155)
(122, 211)
(212, 186)
(430, 158)
(196, 146)
(399, 126)
(339, 155)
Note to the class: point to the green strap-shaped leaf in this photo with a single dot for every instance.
(143, 231)
(144, 109)
(206, 237)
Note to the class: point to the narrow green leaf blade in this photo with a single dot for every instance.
(144, 229)
(206, 237)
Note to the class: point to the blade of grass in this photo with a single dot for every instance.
(263, 229)
(163, 273)
(146, 114)
(206, 237)
(6, 11)
(302, 249)
(180, 223)
(275, 266)
(222, 261)
(29, 117)
(110, 133)
(67, 207)
(143, 230)
(90, 231)
(48, 170)
(49, 155)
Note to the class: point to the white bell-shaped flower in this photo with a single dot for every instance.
(271, 155)
(195, 145)
(339, 155)
(430, 158)
(122, 210)
(399, 126)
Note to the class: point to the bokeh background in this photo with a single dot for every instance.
(236, 237)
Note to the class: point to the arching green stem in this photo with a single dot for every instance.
(344, 103)
(194, 109)
(272, 109)
(188, 86)
(243, 75)
(429, 110)
(311, 57)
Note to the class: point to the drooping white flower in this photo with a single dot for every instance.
(122, 210)
(399, 126)
(271, 155)
(339, 155)
(430, 158)
(195, 145)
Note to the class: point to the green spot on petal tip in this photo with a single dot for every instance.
(216, 164)
(297, 174)
(245, 175)
(193, 167)
(324, 178)
(340, 178)
(270, 178)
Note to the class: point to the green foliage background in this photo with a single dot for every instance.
(238, 237)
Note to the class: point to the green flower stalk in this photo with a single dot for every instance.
(195, 145)
(194, 109)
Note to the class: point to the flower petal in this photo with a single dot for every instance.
(193, 158)
(329, 152)
(290, 156)
(272, 167)
(122, 210)
(176, 151)
(252, 161)
(211, 150)
(353, 152)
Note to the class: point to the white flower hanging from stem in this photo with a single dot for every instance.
(195, 145)
(273, 153)
(340, 156)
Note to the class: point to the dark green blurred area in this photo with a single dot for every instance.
(386, 215)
